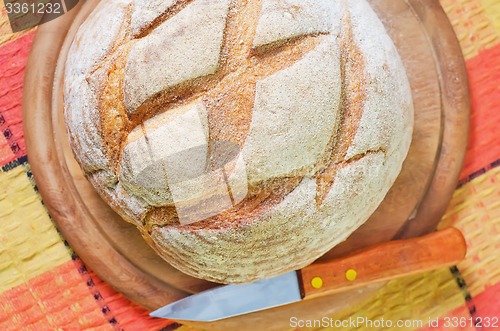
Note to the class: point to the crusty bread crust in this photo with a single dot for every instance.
(312, 93)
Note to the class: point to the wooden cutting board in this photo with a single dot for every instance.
(115, 250)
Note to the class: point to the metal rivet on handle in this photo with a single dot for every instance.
(317, 282)
(351, 275)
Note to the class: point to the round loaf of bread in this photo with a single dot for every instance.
(243, 138)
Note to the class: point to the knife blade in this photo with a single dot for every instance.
(379, 263)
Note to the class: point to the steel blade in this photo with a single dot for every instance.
(233, 300)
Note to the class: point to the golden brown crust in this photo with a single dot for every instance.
(354, 80)
(115, 124)
(230, 102)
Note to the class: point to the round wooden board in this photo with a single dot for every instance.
(115, 250)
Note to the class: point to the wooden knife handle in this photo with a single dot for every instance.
(383, 262)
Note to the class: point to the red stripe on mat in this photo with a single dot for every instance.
(488, 307)
(63, 298)
(6, 155)
(487, 314)
(56, 299)
(129, 315)
(118, 310)
(13, 57)
(484, 139)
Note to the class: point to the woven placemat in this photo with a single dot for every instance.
(45, 286)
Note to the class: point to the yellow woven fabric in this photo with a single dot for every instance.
(475, 210)
(29, 243)
(5, 29)
(492, 10)
(473, 24)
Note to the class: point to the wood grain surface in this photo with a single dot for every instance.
(115, 250)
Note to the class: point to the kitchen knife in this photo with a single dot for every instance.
(376, 264)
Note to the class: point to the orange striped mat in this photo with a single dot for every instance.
(45, 286)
